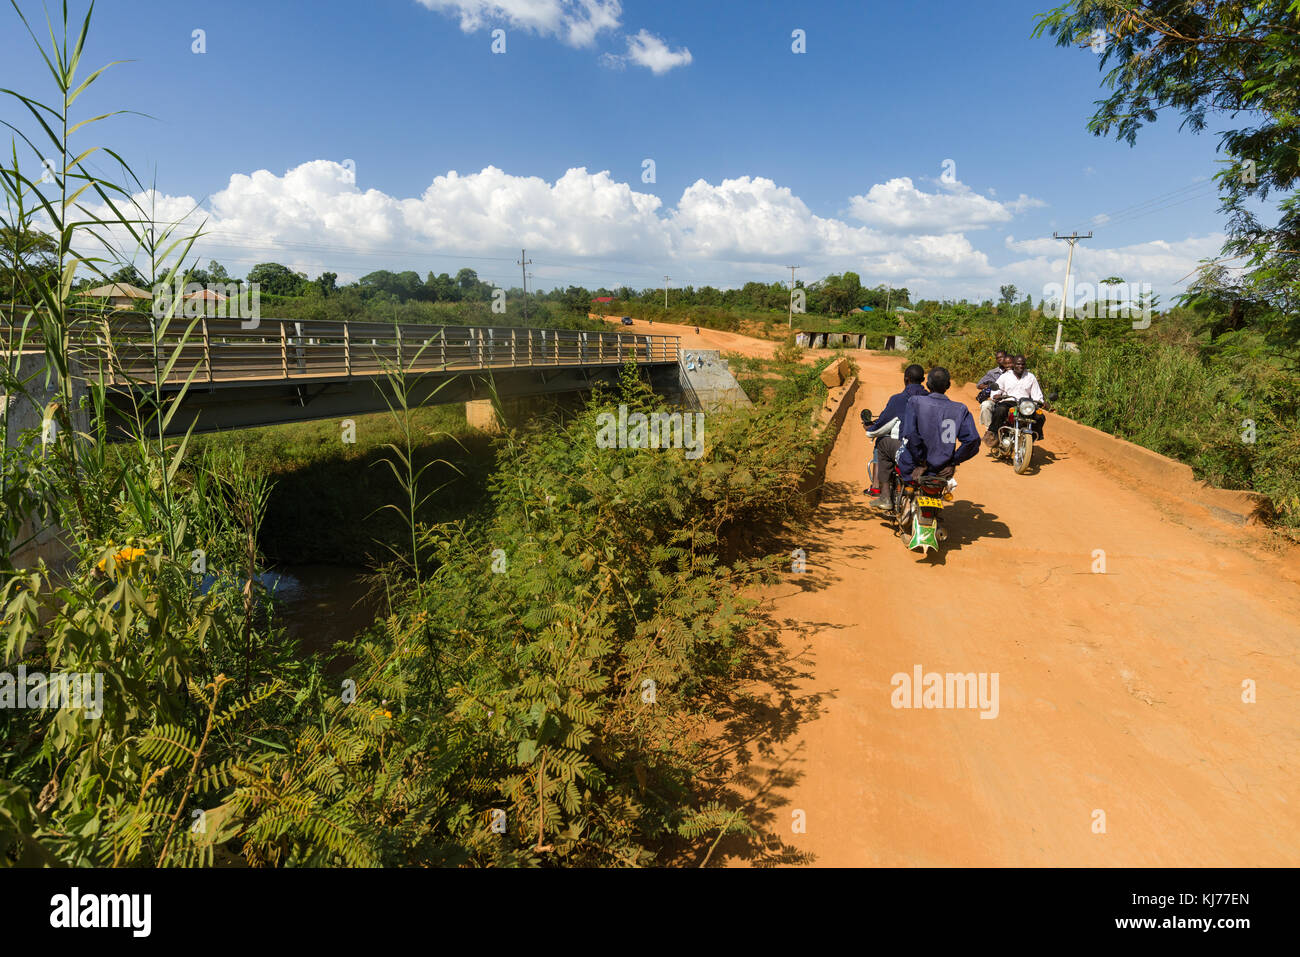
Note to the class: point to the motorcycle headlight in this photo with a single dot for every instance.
(1026, 407)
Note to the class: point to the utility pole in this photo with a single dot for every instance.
(667, 279)
(792, 269)
(1065, 290)
(524, 263)
(889, 292)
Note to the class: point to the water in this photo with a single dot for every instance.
(318, 605)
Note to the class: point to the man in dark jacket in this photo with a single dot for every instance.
(986, 384)
(887, 445)
(938, 433)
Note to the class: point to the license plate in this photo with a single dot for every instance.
(928, 502)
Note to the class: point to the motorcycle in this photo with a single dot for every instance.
(1015, 440)
(917, 507)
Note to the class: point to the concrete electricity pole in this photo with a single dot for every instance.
(791, 317)
(524, 263)
(1065, 290)
(667, 279)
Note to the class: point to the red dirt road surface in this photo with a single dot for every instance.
(1120, 694)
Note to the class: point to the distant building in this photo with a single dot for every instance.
(120, 295)
(208, 295)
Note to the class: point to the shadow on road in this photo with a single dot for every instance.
(1040, 458)
(754, 763)
(967, 523)
(842, 508)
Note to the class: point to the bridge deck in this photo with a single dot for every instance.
(132, 351)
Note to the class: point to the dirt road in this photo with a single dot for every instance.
(1120, 699)
(706, 338)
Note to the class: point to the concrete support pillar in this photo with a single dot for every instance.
(480, 415)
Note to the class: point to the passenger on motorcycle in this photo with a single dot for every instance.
(986, 384)
(933, 425)
(886, 429)
(1016, 383)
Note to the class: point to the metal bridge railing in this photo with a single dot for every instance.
(221, 350)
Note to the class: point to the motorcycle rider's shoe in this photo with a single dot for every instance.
(883, 503)
(990, 439)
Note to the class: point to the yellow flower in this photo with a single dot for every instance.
(123, 556)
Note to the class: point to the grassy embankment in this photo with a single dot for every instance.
(327, 502)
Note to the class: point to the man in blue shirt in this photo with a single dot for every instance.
(933, 427)
(888, 441)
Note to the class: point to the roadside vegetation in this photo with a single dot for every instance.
(549, 675)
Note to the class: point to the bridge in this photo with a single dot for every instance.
(236, 374)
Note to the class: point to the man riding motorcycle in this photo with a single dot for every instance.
(1014, 384)
(933, 425)
(886, 429)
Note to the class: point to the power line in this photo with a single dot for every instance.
(1157, 198)
(1155, 204)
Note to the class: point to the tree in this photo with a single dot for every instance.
(130, 276)
(440, 288)
(325, 282)
(833, 294)
(1238, 60)
(27, 256)
(401, 286)
(1222, 302)
(277, 280)
(852, 285)
(1007, 294)
(467, 281)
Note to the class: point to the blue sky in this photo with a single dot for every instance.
(832, 158)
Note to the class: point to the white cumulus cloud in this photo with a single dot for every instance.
(576, 22)
(315, 217)
(898, 206)
(647, 50)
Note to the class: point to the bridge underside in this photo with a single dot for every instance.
(234, 405)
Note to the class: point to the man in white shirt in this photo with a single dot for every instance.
(1016, 383)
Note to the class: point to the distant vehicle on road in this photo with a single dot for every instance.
(627, 320)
